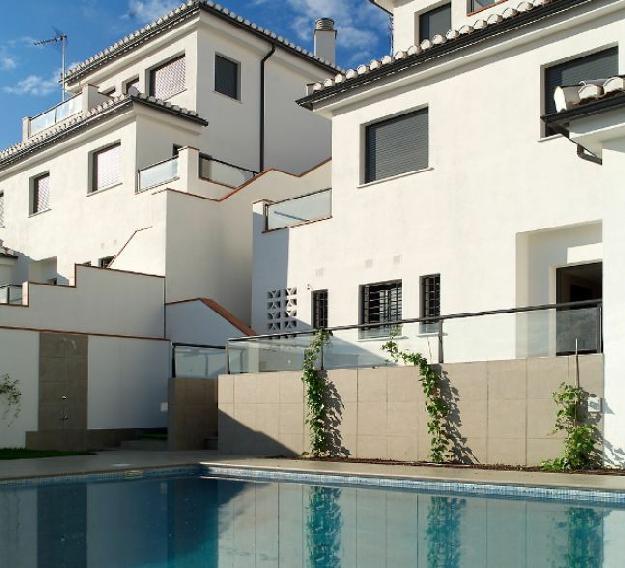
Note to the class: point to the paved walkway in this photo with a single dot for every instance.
(123, 460)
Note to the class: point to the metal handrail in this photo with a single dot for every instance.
(211, 159)
(436, 319)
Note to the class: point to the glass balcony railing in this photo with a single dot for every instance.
(60, 112)
(198, 361)
(304, 209)
(520, 333)
(224, 173)
(10, 294)
(158, 174)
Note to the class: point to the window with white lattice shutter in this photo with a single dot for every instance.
(169, 79)
(106, 167)
(40, 194)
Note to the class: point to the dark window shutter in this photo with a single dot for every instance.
(430, 301)
(602, 65)
(226, 77)
(434, 22)
(396, 146)
(320, 309)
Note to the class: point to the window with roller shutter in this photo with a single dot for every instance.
(396, 146)
(168, 79)
(106, 167)
(600, 65)
(40, 194)
(435, 22)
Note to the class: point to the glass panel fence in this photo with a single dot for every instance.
(522, 335)
(276, 353)
(299, 210)
(191, 362)
(10, 294)
(58, 113)
(226, 174)
(481, 337)
(351, 348)
(158, 174)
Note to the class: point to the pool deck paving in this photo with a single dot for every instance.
(126, 460)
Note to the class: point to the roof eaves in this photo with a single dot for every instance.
(180, 14)
(81, 122)
(378, 5)
(597, 106)
(526, 13)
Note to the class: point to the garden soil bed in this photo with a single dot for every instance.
(494, 467)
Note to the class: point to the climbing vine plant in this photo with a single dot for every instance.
(581, 437)
(436, 407)
(315, 385)
(10, 392)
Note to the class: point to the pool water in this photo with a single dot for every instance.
(190, 521)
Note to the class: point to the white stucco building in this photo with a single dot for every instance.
(149, 170)
(456, 188)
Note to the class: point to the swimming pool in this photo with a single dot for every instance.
(185, 519)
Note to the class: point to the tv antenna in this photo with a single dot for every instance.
(61, 38)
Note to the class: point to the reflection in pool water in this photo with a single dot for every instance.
(191, 522)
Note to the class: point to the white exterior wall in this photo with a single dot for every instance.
(492, 181)
(127, 383)
(103, 301)
(19, 358)
(196, 324)
(95, 224)
(214, 260)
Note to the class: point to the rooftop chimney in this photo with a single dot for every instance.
(325, 40)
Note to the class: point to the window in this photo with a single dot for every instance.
(477, 5)
(226, 77)
(601, 65)
(396, 146)
(40, 194)
(380, 303)
(434, 22)
(1, 208)
(106, 167)
(430, 301)
(320, 309)
(168, 79)
(105, 261)
(132, 84)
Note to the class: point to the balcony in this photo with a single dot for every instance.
(299, 210)
(197, 361)
(161, 173)
(11, 294)
(195, 173)
(55, 115)
(519, 333)
(218, 171)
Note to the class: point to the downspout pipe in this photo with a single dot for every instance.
(261, 142)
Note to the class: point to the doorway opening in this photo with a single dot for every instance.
(579, 327)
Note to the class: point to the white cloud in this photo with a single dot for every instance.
(149, 10)
(7, 63)
(34, 85)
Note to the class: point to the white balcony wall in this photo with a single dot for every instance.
(491, 178)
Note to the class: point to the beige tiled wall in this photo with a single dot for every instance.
(504, 410)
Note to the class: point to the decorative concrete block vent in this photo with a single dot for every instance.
(282, 309)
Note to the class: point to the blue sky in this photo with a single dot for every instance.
(28, 74)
